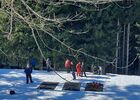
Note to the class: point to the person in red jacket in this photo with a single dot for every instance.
(68, 65)
(78, 69)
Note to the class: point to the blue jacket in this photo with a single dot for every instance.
(28, 70)
(33, 62)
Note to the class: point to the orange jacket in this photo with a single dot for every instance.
(78, 67)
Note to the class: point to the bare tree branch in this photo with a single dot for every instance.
(31, 25)
(57, 20)
(11, 20)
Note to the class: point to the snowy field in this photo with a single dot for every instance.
(116, 87)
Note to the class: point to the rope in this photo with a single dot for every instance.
(129, 64)
(49, 47)
(75, 55)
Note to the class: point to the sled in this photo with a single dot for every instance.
(48, 85)
(72, 86)
(94, 87)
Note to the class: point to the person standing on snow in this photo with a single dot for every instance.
(73, 71)
(83, 69)
(48, 63)
(28, 71)
(78, 69)
(100, 70)
(44, 64)
(68, 65)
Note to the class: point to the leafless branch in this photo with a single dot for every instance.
(56, 20)
(11, 20)
(32, 25)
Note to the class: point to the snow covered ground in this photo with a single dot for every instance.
(116, 87)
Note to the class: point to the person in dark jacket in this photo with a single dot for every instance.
(83, 70)
(44, 64)
(28, 71)
(73, 73)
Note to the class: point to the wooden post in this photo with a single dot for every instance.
(117, 47)
(123, 47)
(138, 70)
(127, 50)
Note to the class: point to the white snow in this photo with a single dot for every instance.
(116, 87)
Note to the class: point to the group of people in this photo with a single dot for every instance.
(80, 68)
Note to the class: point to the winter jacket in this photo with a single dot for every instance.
(48, 63)
(33, 62)
(44, 63)
(78, 67)
(68, 63)
(28, 70)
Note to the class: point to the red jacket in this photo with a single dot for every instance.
(68, 63)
